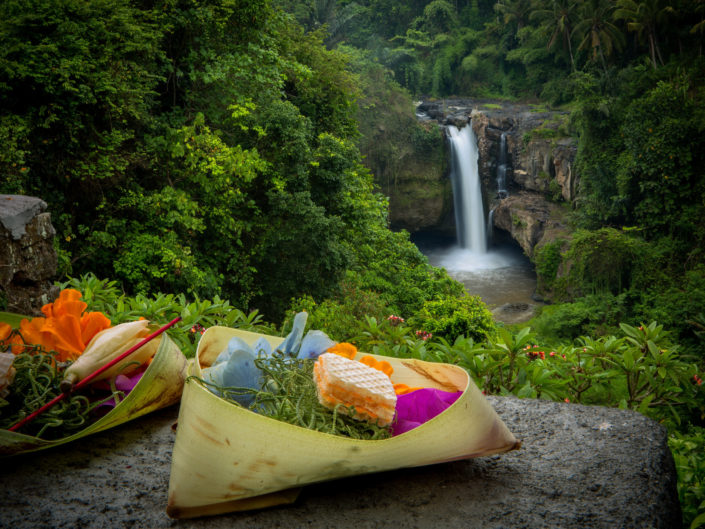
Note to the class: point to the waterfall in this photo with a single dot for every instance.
(502, 167)
(467, 194)
(490, 227)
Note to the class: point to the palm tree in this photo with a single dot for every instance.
(336, 18)
(516, 11)
(699, 27)
(558, 19)
(597, 29)
(643, 17)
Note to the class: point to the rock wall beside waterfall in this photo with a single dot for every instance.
(411, 168)
(531, 220)
(540, 174)
(540, 157)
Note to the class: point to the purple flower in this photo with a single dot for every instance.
(420, 406)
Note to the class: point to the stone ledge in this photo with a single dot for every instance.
(579, 467)
(16, 211)
(28, 261)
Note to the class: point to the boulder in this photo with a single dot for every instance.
(28, 260)
(531, 220)
(579, 466)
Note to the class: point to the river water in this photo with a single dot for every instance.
(503, 277)
(493, 268)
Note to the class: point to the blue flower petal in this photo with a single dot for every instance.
(234, 344)
(314, 344)
(262, 347)
(239, 370)
(292, 342)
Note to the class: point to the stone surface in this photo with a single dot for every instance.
(578, 467)
(514, 312)
(28, 260)
(16, 211)
(531, 220)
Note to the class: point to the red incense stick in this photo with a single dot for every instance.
(95, 373)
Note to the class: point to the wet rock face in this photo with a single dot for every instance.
(538, 159)
(547, 167)
(28, 260)
(531, 220)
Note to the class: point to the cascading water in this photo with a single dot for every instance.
(503, 275)
(502, 167)
(490, 227)
(467, 194)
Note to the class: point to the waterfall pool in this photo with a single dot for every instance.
(503, 277)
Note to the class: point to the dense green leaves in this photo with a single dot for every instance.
(207, 148)
(452, 317)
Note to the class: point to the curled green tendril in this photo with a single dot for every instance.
(37, 376)
(288, 394)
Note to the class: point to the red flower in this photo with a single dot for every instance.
(395, 320)
(423, 335)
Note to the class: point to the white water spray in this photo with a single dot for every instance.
(467, 194)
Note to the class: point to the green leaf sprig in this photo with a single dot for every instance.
(288, 394)
(36, 382)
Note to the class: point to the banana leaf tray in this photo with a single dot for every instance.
(161, 385)
(227, 458)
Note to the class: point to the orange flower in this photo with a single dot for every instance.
(68, 302)
(344, 349)
(380, 365)
(66, 329)
(92, 323)
(8, 339)
(403, 389)
(5, 330)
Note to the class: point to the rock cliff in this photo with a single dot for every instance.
(28, 260)
(540, 171)
(530, 219)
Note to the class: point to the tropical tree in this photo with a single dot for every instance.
(514, 11)
(597, 30)
(439, 16)
(558, 19)
(332, 15)
(643, 18)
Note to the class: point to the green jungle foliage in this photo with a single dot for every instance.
(450, 317)
(215, 150)
(203, 148)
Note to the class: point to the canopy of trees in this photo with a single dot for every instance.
(198, 147)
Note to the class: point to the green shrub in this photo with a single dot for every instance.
(450, 317)
(594, 314)
(601, 261)
(688, 451)
(564, 321)
(196, 314)
(341, 317)
(389, 264)
(547, 259)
